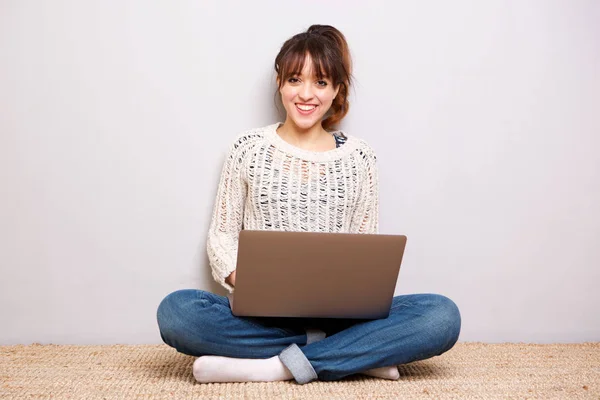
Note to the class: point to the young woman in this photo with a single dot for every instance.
(300, 175)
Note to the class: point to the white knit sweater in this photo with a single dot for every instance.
(269, 184)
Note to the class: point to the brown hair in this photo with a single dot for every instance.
(330, 57)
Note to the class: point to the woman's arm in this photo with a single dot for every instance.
(365, 218)
(227, 219)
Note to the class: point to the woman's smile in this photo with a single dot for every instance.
(306, 109)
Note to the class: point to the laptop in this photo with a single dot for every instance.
(316, 275)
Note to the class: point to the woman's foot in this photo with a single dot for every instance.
(384, 373)
(225, 369)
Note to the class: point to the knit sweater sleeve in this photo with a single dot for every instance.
(228, 214)
(365, 218)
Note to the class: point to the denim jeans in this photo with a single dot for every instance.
(420, 326)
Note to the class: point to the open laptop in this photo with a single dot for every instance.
(316, 275)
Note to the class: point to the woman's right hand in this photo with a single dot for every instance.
(231, 279)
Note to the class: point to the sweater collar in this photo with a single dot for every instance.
(317, 156)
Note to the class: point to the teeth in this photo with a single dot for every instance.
(305, 108)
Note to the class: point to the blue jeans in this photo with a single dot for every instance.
(420, 326)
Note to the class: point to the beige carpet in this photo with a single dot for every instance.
(469, 371)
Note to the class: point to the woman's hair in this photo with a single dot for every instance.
(330, 57)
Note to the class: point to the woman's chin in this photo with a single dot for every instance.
(306, 123)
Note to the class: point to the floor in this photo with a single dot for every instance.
(468, 371)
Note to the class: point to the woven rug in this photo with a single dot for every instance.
(468, 371)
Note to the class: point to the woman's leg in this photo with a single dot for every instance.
(419, 326)
(200, 323)
(197, 323)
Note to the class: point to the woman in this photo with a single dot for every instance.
(301, 175)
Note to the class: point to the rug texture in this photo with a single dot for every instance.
(468, 371)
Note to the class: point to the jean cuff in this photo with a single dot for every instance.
(295, 360)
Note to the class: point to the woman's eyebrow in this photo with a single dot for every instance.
(314, 76)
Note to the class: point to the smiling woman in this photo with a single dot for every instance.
(307, 96)
(304, 176)
(313, 68)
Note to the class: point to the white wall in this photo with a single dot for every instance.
(115, 116)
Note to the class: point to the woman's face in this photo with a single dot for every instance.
(306, 98)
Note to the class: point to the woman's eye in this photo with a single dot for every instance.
(293, 80)
(322, 83)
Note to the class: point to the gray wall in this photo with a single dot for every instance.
(115, 117)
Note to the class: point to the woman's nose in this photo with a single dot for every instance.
(305, 92)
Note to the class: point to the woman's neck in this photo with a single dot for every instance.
(314, 138)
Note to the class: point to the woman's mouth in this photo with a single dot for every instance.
(306, 109)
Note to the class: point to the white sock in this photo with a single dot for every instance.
(226, 369)
(384, 373)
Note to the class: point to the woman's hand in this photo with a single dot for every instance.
(231, 279)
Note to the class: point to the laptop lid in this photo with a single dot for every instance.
(316, 275)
